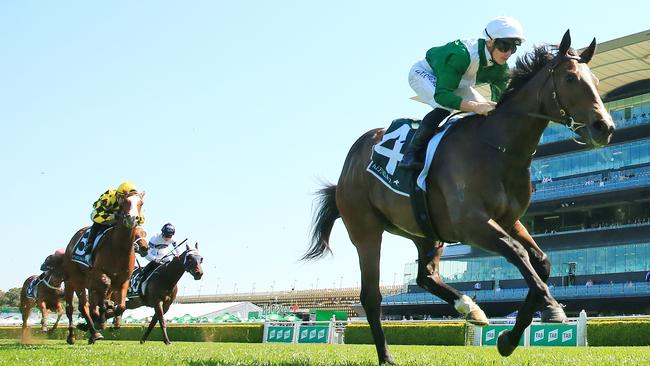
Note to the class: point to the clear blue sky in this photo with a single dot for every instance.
(228, 114)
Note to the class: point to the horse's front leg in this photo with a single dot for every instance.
(84, 309)
(59, 313)
(551, 314)
(100, 292)
(152, 323)
(160, 313)
(490, 236)
(428, 278)
(119, 297)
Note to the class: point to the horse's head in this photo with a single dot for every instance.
(131, 209)
(571, 96)
(54, 277)
(192, 260)
(140, 242)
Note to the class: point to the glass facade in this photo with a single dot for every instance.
(589, 261)
(584, 162)
(625, 113)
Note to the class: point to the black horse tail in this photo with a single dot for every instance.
(325, 215)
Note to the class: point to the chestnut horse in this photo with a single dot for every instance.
(478, 187)
(160, 291)
(110, 271)
(48, 298)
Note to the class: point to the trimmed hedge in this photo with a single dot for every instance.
(240, 333)
(447, 334)
(632, 332)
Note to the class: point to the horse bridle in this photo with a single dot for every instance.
(46, 281)
(565, 118)
(135, 243)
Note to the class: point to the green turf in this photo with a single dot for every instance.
(185, 353)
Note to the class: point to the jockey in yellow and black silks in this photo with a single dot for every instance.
(107, 206)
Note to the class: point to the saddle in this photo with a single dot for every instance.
(384, 165)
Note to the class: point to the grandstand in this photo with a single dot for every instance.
(340, 299)
(590, 211)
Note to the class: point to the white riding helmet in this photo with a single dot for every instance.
(504, 27)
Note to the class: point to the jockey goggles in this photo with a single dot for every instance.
(507, 44)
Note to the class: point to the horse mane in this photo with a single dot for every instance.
(529, 65)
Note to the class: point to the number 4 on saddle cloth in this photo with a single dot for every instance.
(83, 251)
(384, 165)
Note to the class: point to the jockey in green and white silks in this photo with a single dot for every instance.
(445, 78)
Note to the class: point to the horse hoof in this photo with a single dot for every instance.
(388, 360)
(504, 345)
(477, 317)
(142, 341)
(554, 314)
(70, 340)
(168, 343)
(95, 337)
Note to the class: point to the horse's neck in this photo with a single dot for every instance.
(121, 237)
(173, 271)
(512, 128)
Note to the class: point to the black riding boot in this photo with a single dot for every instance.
(96, 228)
(413, 154)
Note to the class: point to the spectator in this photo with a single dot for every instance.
(477, 286)
(647, 277)
(629, 284)
(589, 282)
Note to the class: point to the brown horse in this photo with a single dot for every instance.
(113, 264)
(49, 294)
(477, 189)
(160, 290)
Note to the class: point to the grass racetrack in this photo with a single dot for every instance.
(57, 352)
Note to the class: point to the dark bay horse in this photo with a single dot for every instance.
(110, 272)
(478, 187)
(161, 287)
(49, 296)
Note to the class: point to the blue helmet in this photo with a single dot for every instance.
(168, 229)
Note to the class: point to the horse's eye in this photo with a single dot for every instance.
(571, 78)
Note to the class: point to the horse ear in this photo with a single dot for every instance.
(565, 44)
(187, 247)
(196, 245)
(587, 54)
(142, 194)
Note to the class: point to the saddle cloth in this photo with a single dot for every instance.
(386, 155)
(134, 283)
(82, 252)
(32, 288)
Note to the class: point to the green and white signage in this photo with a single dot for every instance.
(313, 334)
(491, 333)
(553, 335)
(279, 334)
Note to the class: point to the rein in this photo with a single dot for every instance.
(565, 118)
(46, 281)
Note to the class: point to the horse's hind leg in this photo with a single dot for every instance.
(69, 310)
(508, 340)
(429, 254)
(365, 231)
(25, 309)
